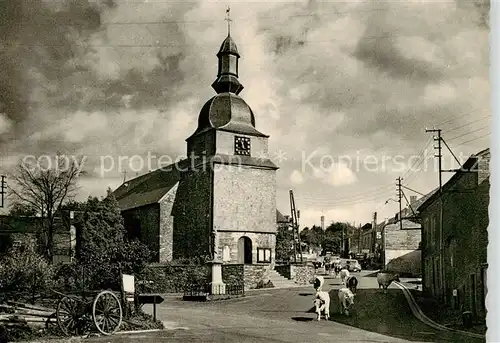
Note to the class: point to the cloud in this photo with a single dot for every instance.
(337, 174)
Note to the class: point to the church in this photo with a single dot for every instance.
(220, 200)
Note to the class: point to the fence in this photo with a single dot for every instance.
(197, 291)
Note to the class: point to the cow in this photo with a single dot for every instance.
(352, 283)
(322, 304)
(337, 268)
(384, 279)
(344, 274)
(318, 283)
(346, 299)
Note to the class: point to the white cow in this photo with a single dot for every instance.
(346, 298)
(344, 274)
(322, 304)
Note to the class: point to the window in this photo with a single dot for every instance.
(263, 255)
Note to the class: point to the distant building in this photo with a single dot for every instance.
(454, 255)
(402, 239)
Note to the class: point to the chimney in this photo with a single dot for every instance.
(413, 199)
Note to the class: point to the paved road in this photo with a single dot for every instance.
(284, 315)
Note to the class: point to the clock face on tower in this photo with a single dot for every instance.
(241, 145)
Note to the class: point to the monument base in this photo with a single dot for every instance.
(217, 286)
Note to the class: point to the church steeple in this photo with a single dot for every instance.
(227, 75)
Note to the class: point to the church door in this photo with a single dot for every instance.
(245, 250)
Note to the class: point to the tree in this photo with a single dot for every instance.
(284, 244)
(104, 252)
(44, 189)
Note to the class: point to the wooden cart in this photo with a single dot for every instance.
(75, 313)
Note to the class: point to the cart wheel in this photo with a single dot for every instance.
(67, 316)
(107, 313)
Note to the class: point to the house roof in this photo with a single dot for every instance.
(406, 224)
(280, 218)
(470, 163)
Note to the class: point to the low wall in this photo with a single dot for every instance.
(254, 273)
(302, 274)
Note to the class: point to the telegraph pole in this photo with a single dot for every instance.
(399, 179)
(2, 191)
(439, 155)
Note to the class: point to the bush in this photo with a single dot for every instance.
(174, 277)
(23, 271)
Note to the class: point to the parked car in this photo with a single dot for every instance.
(353, 265)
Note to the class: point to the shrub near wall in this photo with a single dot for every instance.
(232, 273)
(173, 278)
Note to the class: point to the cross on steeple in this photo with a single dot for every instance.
(228, 19)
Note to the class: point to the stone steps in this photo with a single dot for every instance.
(280, 281)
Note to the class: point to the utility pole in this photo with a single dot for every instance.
(124, 175)
(439, 155)
(400, 196)
(2, 191)
(295, 225)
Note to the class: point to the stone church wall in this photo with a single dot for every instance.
(259, 240)
(167, 226)
(191, 236)
(244, 199)
(225, 144)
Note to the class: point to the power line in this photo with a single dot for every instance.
(466, 134)
(411, 176)
(420, 155)
(352, 202)
(472, 122)
(350, 197)
(460, 116)
(472, 140)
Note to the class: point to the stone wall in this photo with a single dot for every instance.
(192, 210)
(253, 274)
(303, 274)
(406, 239)
(231, 239)
(464, 242)
(167, 225)
(233, 273)
(244, 199)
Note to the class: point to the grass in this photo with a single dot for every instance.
(389, 314)
(443, 315)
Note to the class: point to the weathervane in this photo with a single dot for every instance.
(228, 19)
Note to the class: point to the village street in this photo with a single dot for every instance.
(285, 315)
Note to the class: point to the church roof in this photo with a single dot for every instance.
(146, 189)
(228, 46)
(227, 112)
(150, 188)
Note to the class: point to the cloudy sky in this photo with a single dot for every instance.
(351, 82)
